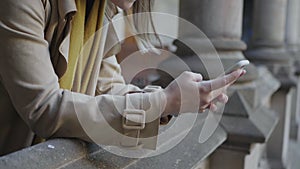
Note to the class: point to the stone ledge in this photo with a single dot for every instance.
(242, 130)
(50, 154)
(68, 153)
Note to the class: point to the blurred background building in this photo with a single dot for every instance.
(259, 127)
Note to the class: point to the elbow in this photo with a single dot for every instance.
(43, 114)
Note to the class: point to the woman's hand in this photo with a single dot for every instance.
(189, 93)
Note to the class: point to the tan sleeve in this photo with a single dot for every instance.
(28, 76)
(111, 81)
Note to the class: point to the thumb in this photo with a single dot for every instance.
(197, 77)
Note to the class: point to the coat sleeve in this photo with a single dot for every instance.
(110, 79)
(27, 73)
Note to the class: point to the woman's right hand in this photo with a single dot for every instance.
(189, 93)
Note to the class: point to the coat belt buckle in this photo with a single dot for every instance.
(134, 119)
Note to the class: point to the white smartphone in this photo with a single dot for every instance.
(239, 65)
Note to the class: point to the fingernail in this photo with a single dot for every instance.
(213, 107)
(243, 72)
(240, 71)
(225, 99)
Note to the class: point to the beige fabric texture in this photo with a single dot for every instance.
(33, 56)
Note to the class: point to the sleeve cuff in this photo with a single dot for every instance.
(140, 121)
(142, 117)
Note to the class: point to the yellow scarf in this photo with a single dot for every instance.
(80, 68)
(84, 46)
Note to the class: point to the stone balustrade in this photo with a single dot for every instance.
(67, 153)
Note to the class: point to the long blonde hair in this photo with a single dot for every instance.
(140, 25)
(144, 6)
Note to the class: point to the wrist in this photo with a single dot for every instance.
(167, 101)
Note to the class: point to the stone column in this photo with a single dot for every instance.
(277, 146)
(296, 54)
(268, 40)
(298, 112)
(221, 22)
(292, 45)
(292, 26)
(270, 46)
(246, 119)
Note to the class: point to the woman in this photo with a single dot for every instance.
(48, 91)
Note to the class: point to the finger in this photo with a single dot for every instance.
(204, 106)
(225, 80)
(222, 98)
(213, 107)
(242, 74)
(197, 77)
(202, 110)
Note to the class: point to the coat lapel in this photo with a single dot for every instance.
(66, 7)
(66, 10)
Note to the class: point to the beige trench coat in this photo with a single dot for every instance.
(34, 43)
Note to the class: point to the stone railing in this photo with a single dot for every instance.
(68, 153)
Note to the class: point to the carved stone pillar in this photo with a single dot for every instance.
(292, 26)
(298, 111)
(292, 45)
(293, 42)
(271, 44)
(268, 40)
(221, 22)
(246, 119)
